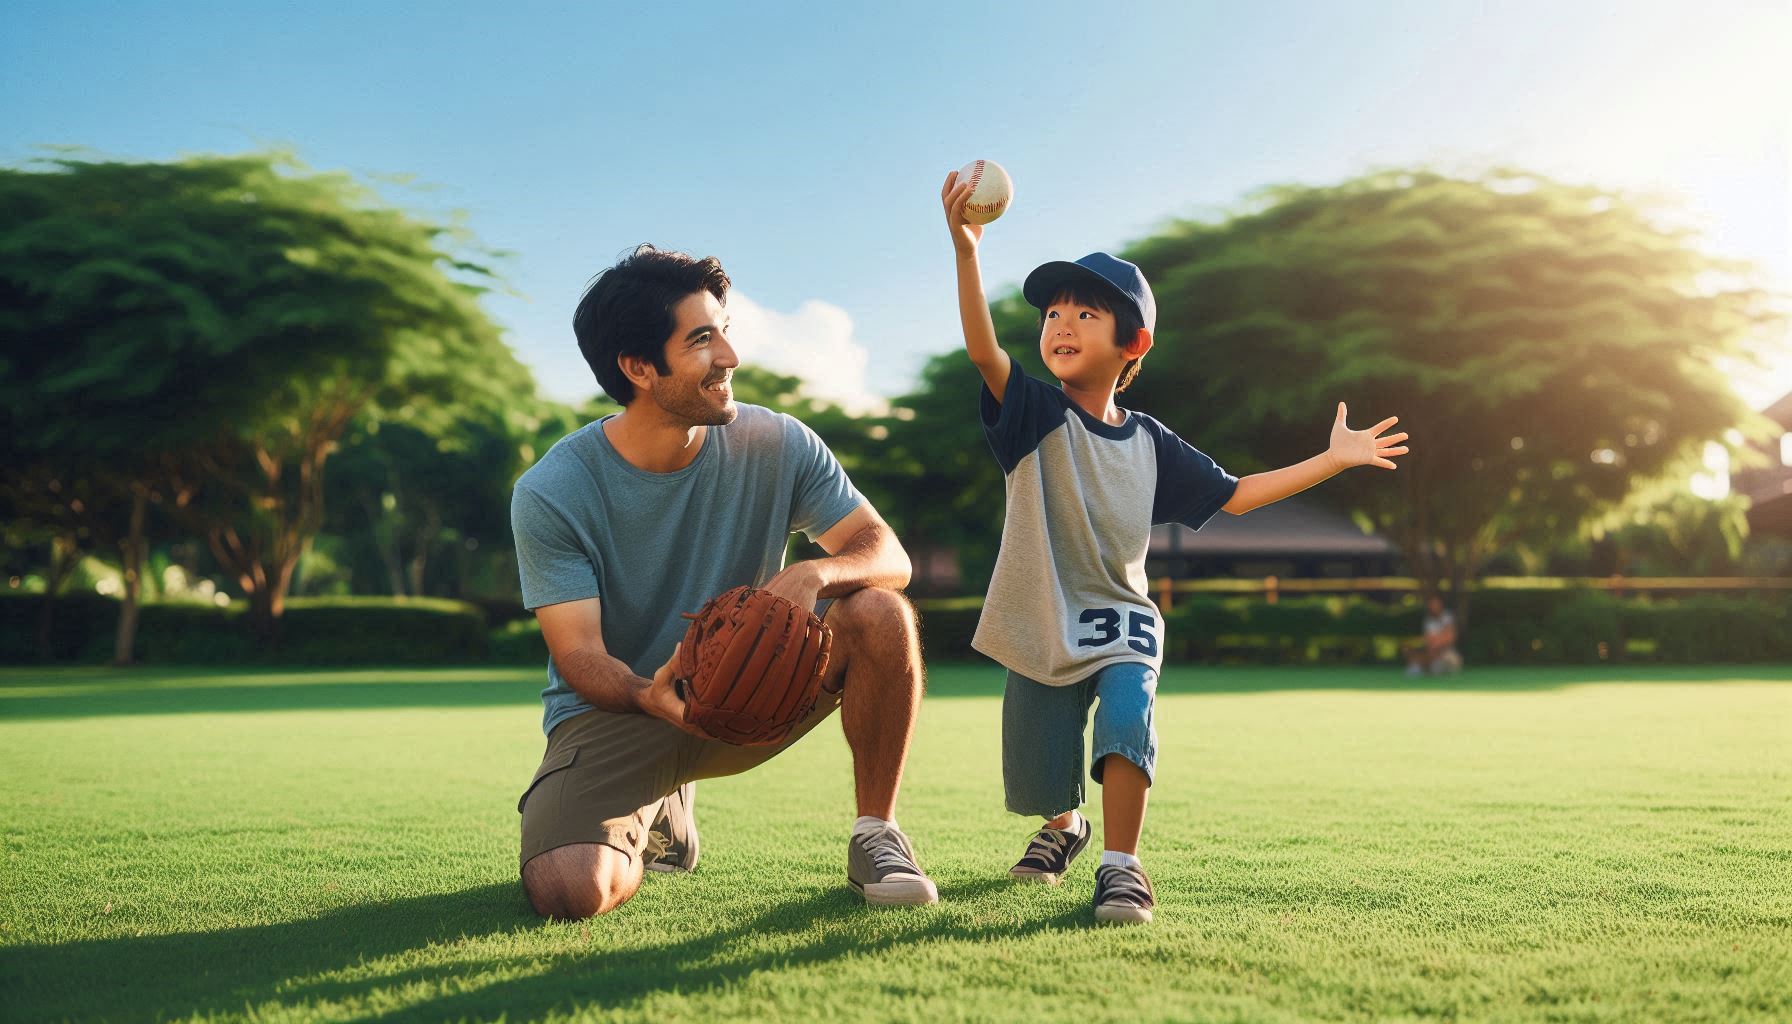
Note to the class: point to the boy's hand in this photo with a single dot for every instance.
(1364, 447)
(965, 235)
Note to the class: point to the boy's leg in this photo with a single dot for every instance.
(1042, 746)
(1124, 759)
(1042, 769)
(1124, 789)
(1125, 751)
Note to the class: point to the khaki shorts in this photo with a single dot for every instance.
(604, 774)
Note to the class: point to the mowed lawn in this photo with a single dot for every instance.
(1549, 845)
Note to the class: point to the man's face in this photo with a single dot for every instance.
(698, 387)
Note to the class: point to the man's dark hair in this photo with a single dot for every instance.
(1127, 322)
(627, 311)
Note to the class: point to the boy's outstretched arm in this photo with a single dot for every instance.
(973, 308)
(1349, 448)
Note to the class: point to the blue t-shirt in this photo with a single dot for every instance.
(651, 546)
(1069, 595)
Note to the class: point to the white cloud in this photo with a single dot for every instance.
(815, 343)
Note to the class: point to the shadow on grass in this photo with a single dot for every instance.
(83, 693)
(202, 974)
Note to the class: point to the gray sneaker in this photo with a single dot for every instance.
(672, 838)
(880, 866)
(1122, 895)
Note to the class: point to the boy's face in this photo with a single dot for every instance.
(1078, 345)
(700, 361)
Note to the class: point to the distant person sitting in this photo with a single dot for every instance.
(1435, 654)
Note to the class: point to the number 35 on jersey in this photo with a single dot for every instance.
(1102, 626)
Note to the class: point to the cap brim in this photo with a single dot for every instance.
(1048, 279)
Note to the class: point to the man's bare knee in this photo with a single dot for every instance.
(873, 610)
(581, 880)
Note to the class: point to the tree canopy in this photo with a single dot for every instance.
(209, 328)
(1547, 345)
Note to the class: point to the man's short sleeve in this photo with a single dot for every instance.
(1029, 410)
(822, 493)
(554, 565)
(1190, 486)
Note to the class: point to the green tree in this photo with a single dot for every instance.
(207, 330)
(944, 486)
(404, 498)
(1549, 346)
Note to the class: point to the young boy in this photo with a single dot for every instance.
(1068, 612)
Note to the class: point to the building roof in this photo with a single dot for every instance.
(1288, 527)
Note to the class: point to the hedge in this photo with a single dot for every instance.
(1505, 627)
(313, 631)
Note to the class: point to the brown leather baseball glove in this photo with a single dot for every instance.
(750, 666)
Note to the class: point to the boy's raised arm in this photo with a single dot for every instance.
(973, 307)
(1348, 448)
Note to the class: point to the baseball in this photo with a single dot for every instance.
(991, 190)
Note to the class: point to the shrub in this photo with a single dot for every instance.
(314, 631)
(519, 643)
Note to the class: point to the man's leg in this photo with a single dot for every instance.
(875, 668)
(587, 815)
(876, 662)
(581, 880)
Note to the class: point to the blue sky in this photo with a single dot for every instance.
(804, 145)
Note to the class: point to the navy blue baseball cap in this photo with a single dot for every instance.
(1044, 283)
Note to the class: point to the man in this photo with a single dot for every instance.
(646, 514)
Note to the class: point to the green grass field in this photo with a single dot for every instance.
(1565, 845)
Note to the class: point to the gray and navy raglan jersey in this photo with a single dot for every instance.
(1069, 595)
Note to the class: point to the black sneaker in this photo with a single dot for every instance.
(1122, 894)
(672, 838)
(880, 866)
(1049, 855)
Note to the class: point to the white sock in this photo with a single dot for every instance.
(1075, 817)
(1125, 860)
(866, 823)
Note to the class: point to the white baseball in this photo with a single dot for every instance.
(991, 190)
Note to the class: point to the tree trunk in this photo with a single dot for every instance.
(125, 640)
(267, 602)
(432, 525)
(382, 543)
(65, 554)
(265, 552)
(264, 615)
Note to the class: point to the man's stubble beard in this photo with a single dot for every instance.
(694, 408)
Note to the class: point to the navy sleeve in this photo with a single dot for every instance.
(1029, 410)
(1190, 486)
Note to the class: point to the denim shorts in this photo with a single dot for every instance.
(1042, 734)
